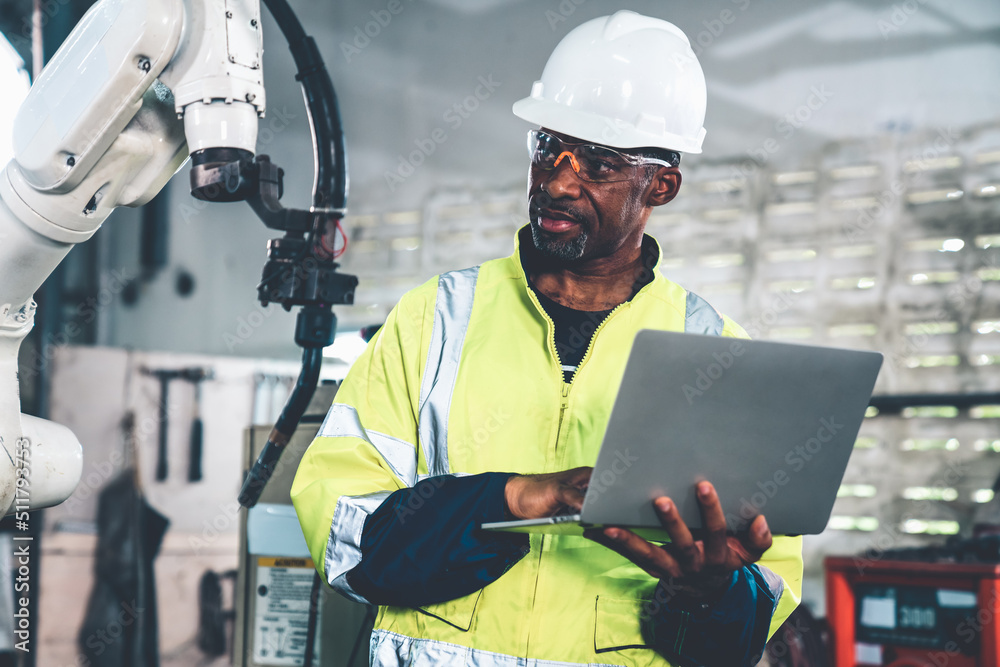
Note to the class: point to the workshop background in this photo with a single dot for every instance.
(848, 194)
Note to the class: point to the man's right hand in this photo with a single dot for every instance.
(551, 494)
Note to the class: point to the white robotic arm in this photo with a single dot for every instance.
(133, 90)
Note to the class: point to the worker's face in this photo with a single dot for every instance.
(573, 219)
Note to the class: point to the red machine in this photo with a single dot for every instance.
(913, 614)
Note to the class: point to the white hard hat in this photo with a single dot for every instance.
(624, 80)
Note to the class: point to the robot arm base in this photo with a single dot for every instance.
(54, 459)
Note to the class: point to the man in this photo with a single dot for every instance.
(512, 366)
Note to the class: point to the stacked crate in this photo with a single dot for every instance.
(913, 222)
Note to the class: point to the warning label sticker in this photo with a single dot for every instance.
(282, 612)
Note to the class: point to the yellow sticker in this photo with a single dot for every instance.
(285, 562)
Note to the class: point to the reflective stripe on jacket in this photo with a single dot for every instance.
(463, 378)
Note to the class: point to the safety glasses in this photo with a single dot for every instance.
(591, 162)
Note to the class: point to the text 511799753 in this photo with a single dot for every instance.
(22, 552)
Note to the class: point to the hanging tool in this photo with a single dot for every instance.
(196, 376)
(166, 376)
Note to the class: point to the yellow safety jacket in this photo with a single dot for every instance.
(464, 378)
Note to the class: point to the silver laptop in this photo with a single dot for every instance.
(771, 425)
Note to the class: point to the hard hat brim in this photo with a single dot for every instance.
(599, 129)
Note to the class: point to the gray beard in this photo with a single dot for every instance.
(563, 250)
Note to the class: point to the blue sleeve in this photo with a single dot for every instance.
(423, 544)
(731, 632)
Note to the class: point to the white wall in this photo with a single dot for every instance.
(92, 390)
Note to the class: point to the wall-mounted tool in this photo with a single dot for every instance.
(166, 376)
(196, 376)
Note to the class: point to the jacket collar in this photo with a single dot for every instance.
(651, 251)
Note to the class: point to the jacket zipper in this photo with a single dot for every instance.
(555, 355)
(590, 346)
(564, 404)
(566, 386)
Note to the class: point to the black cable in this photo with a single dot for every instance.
(329, 145)
(305, 387)
(801, 641)
(329, 191)
(311, 625)
(369, 620)
(287, 21)
(295, 407)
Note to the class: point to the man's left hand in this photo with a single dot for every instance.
(704, 567)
